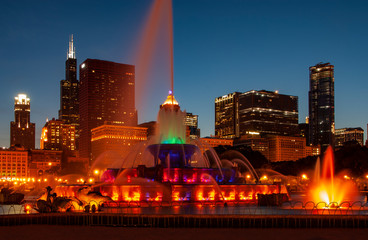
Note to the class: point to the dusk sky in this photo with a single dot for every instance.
(219, 47)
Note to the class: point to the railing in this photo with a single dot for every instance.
(187, 221)
(200, 214)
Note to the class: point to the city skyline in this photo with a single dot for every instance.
(218, 48)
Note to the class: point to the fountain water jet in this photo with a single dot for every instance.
(326, 188)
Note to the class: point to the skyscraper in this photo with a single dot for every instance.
(344, 135)
(69, 91)
(227, 116)
(321, 105)
(106, 97)
(22, 131)
(268, 112)
(263, 112)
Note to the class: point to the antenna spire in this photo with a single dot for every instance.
(71, 52)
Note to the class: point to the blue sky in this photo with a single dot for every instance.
(219, 47)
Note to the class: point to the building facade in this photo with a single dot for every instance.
(22, 131)
(286, 148)
(268, 113)
(114, 142)
(57, 135)
(313, 150)
(191, 121)
(227, 116)
(69, 92)
(321, 105)
(43, 162)
(344, 135)
(106, 96)
(279, 148)
(256, 143)
(215, 142)
(264, 112)
(14, 163)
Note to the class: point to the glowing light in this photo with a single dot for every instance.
(49, 164)
(96, 172)
(244, 197)
(229, 197)
(22, 99)
(135, 198)
(115, 196)
(27, 208)
(304, 177)
(173, 140)
(248, 176)
(170, 100)
(329, 189)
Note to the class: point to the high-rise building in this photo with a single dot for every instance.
(344, 135)
(321, 105)
(268, 113)
(69, 91)
(106, 97)
(22, 131)
(226, 116)
(57, 135)
(263, 112)
(191, 121)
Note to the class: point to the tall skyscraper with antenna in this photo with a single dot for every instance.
(69, 91)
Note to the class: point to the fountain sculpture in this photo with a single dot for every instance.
(169, 168)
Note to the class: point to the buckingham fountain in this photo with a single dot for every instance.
(171, 169)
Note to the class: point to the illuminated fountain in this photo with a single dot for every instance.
(170, 169)
(329, 189)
